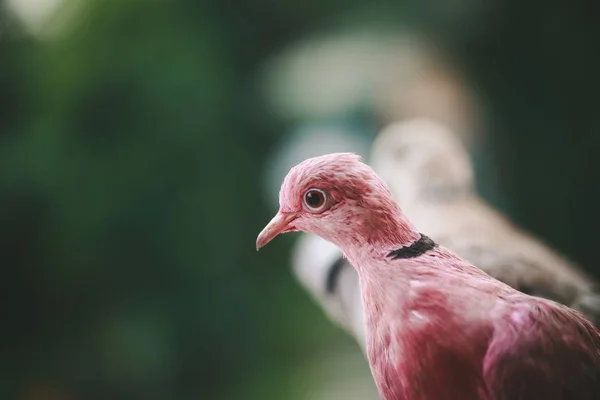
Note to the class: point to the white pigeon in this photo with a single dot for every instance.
(430, 174)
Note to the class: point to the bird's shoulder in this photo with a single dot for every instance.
(541, 350)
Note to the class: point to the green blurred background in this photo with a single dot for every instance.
(134, 136)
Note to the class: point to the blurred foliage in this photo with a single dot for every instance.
(130, 155)
(129, 212)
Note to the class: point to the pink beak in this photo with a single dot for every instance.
(279, 224)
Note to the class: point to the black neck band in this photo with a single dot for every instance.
(417, 248)
(333, 275)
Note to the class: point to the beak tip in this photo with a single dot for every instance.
(261, 241)
(277, 225)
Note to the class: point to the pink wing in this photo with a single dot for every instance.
(541, 350)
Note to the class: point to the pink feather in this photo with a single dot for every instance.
(437, 327)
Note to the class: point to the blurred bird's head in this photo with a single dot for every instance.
(422, 160)
(339, 198)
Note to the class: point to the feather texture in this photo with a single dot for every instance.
(428, 170)
(436, 326)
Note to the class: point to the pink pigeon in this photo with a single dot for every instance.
(437, 327)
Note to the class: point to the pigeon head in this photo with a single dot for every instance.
(341, 199)
(421, 157)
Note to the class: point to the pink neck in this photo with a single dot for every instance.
(381, 276)
(384, 234)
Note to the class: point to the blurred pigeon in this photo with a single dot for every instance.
(429, 172)
(331, 280)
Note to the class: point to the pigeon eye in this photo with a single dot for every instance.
(314, 199)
